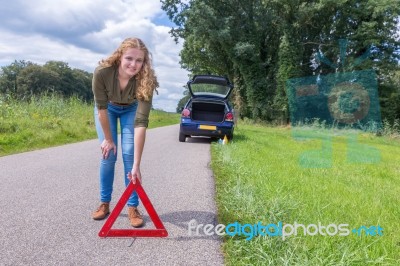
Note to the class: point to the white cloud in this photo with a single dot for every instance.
(83, 32)
(40, 49)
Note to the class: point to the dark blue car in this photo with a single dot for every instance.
(208, 112)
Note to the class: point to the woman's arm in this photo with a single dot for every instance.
(140, 137)
(108, 144)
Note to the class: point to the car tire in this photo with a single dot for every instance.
(230, 137)
(182, 137)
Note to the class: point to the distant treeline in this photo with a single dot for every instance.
(23, 79)
(260, 45)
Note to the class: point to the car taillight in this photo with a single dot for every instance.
(229, 117)
(186, 113)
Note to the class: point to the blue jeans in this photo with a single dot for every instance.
(126, 116)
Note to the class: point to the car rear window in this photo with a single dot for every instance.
(213, 89)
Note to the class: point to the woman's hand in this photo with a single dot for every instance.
(106, 146)
(135, 174)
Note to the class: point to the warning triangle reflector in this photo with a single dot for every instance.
(160, 230)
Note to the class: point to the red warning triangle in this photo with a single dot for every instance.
(160, 230)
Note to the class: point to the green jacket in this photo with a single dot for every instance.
(105, 86)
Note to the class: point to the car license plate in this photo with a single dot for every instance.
(206, 127)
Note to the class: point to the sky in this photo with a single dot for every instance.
(82, 32)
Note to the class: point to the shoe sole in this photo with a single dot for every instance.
(138, 226)
(100, 218)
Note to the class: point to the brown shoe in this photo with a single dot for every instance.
(135, 217)
(101, 211)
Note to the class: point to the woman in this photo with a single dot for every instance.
(123, 86)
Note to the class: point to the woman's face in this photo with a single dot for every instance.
(131, 62)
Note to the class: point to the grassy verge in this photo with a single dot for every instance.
(160, 118)
(262, 177)
(50, 120)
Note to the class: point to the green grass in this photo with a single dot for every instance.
(160, 118)
(260, 176)
(51, 120)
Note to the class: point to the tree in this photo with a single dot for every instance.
(82, 84)
(66, 83)
(34, 80)
(390, 98)
(9, 74)
(22, 79)
(260, 44)
(183, 101)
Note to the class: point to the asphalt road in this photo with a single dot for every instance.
(47, 197)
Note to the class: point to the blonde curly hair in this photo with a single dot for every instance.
(146, 78)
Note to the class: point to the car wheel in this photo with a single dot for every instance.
(182, 137)
(230, 137)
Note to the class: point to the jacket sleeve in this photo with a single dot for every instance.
(142, 113)
(99, 90)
